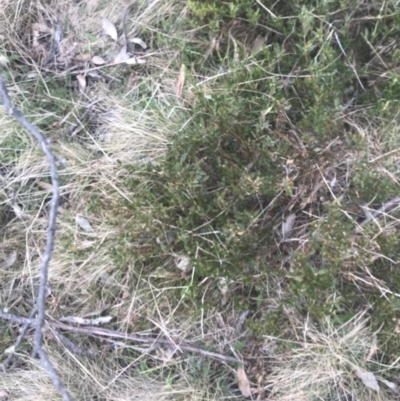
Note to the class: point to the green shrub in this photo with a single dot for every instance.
(224, 185)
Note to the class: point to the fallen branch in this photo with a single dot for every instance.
(41, 298)
(17, 319)
(101, 332)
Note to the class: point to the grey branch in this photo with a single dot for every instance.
(7, 363)
(101, 332)
(55, 44)
(41, 298)
(53, 374)
(17, 319)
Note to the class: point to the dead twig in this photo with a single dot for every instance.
(101, 332)
(7, 363)
(71, 346)
(345, 55)
(98, 331)
(17, 319)
(382, 210)
(55, 44)
(41, 298)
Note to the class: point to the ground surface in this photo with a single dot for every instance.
(229, 178)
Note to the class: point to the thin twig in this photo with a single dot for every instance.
(124, 14)
(382, 210)
(53, 374)
(71, 346)
(55, 44)
(7, 363)
(41, 298)
(101, 332)
(345, 55)
(98, 331)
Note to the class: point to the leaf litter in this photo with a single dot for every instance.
(11, 259)
(122, 55)
(83, 223)
(109, 29)
(139, 42)
(369, 380)
(287, 225)
(243, 382)
(82, 82)
(97, 60)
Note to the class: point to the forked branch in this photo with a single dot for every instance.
(41, 298)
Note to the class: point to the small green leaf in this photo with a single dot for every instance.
(13, 57)
(91, 37)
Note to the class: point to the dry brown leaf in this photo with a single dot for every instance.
(368, 379)
(83, 57)
(109, 28)
(11, 259)
(83, 223)
(287, 225)
(244, 384)
(122, 56)
(139, 42)
(181, 81)
(183, 263)
(258, 44)
(44, 185)
(391, 385)
(97, 60)
(82, 82)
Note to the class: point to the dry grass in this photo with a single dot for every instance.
(323, 363)
(102, 380)
(82, 278)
